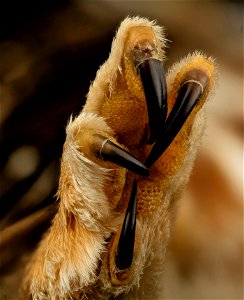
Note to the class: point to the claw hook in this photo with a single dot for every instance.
(125, 250)
(109, 151)
(154, 84)
(188, 97)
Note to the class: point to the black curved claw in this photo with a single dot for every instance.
(154, 84)
(125, 250)
(188, 96)
(109, 151)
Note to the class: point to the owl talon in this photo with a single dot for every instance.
(125, 250)
(109, 151)
(154, 83)
(188, 97)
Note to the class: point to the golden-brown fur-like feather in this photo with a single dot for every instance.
(76, 258)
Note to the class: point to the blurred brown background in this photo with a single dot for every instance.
(50, 52)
